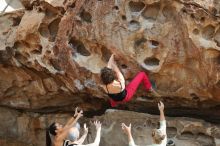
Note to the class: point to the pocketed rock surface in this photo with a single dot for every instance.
(51, 53)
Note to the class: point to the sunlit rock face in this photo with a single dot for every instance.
(55, 49)
(51, 53)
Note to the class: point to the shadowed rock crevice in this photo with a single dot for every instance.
(53, 28)
(106, 53)
(86, 16)
(217, 37)
(140, 42)
(134, 25)
(195, 31)
(44, 31)
(136, 6)
(123, 17)
(56, 64)
(151, 11)
(38, 50)
(151, 62)
(50, 12)
(154, 44)
(78, 47)
(213, 56)
(187, 135)
(205, 139)
(169, 11)
(116, 8)
(172, 132)
(208, 32)
(21, 58)
(218, 83)
(194, 96)
(16, 21)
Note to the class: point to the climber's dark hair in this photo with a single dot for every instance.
(51, 130)
(107, 75)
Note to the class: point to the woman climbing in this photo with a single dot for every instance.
(56, 134)
(114, 83)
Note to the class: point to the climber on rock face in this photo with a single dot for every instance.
(58, 135)
(159, 136)
(114, 83)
